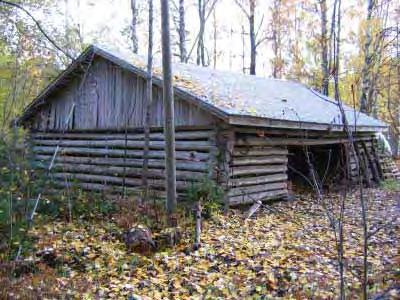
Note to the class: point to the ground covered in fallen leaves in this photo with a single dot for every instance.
(285, 250)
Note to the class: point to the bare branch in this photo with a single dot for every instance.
(39, 26)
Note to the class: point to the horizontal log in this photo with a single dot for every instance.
(179, 145)
(133, 130)
(293, 132)
(272, 141)
(182, 155)
(253, 170)
(259, 160)
(159, 136)
(257, 188)
(129, 172)
(112, 189)
(129, 182)
(258, 151)
(247, 199)
(130, 162)
(239, 182)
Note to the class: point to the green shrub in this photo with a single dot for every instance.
(392, 185)
(20, 185)
(208, 193)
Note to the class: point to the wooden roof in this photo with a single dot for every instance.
(236, 98)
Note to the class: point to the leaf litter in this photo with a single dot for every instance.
(286, 251)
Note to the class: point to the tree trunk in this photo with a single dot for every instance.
(182, 32)
(336, 59)
(365, 74)
(337, 52)
(149, 98)
(135, 43)
(200, 42)
(169, 122)
(276, 40)
(215, 53)
(324, 49)
(253, 50)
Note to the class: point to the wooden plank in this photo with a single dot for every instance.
(179, 145)
(254, 170)
(376, 158)
(272, 141)
(225, 143)
(112, 170)
(259, 160)
(182, 155)
(238, 182)
(264, 122)
(258, 151)
(302, 133)
(129, 162)
(363, 165)
(246, 199)
(180, 135)
(114, 180)
(251, 189)
(371, 163)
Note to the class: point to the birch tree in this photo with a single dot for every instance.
(134, 23)
(324, 48)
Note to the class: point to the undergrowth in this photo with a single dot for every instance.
(391, 185)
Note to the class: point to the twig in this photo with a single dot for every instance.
(16, 5)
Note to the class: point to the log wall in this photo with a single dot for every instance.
(256, 172)
(105, 161)
(368, 161)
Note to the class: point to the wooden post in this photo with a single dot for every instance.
(376, 159)
(370, 160)
(226, 142)
(197, 239)
(363, 166)
(168, 99)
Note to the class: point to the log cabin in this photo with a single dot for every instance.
(247, 133)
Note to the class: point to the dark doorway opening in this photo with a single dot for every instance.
(327, 160)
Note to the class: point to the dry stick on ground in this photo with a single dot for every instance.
(197, 238)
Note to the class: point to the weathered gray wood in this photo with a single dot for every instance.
(129, 162)
(272, 123)
(303, 133)
(271, 141)
(225, 144)
(257, 180)
(182, 155)
(159, 136)
(258, 151)
(112, 170)
(109, 94)
(180, 145)
(251, 198)
(253, 170)
(257, 188)
(259, 160)
(371, 162)
(111, 180)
